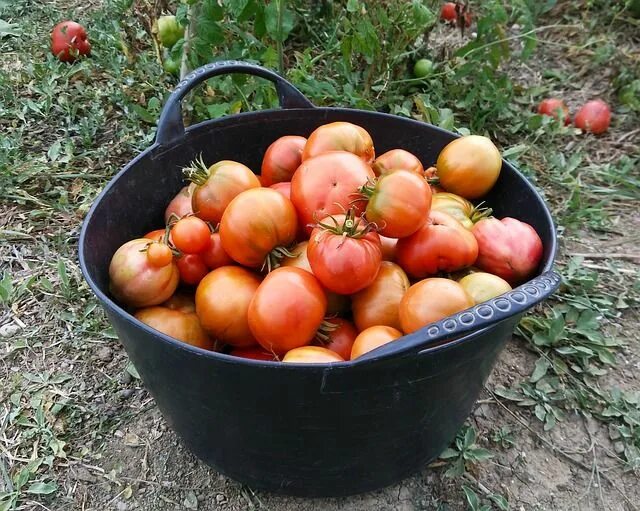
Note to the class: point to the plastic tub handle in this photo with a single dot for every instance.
(475, 318)
(170, 125)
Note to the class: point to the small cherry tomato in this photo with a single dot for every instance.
(311, 355)
(192, 268)
(372, 338)
(214, 255)
(190, 235)
(159, 254)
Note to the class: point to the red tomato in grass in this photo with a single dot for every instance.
(397, 159)
(344, 254)
(256, 225)
(431, 300)
(217, 186)
(398, 203)
(508, 248)
(284, 188)
(337, 335)
(180, 205)
(135, 282)
(469, 166)
(340, 136)
(594, 117)
(441, 244)
(192, 268)
(286, 310)
(214, 255)
(69, 40)
(448, 12)
(553, 107)
(190, 235)
(327, 184)
(183, 326)
(222, 303)
(372, 338)
(311, 355)
(256, 353)
(281, 159)
(378, 303)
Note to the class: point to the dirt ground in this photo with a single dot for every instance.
(122, 455)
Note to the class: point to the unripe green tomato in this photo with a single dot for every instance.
(168, 30)
(422, 68)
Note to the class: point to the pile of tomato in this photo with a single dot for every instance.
(327, 254)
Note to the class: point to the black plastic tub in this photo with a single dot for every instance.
(322, 430)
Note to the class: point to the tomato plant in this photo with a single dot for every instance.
(378, 303)
(397, 159)
(326, 184)
(222, 303)
(180, 205)
(181, 325)
(508, 248)
(286, 310)
(441, 244)
(483, 286)
(256, 227)
(192, 268)
(344, 253)
(431, 300)
(217, 186)
(69, 40)
(337, 335)
(469, 166)
(134, 281)
(311, 355)
(553, 107)
(281, 159)
(594, 116)
(190, 235)
(372, 338)
(398, 203)
(340, 136)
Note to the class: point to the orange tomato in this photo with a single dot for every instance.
(372, 338)
(397, 159)
(311, 355)
(340, 136)
(281, 159)
(181, 325)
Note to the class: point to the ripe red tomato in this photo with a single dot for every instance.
(448, 12)
(135, 282)
(431, 300)
(336, 304)
(190, 235)
(192, 268)
(378, 304)
(388, 248)
(398, 203)
(69, 40)
(255, 353)
(553, 107)
(183, 326)
(156, 235)
(337, 335)
(594, 116)
(469, 166)
(214, 255)
(325, 185)
(483, 286)
(286, 310)
(284, 188)
(159, 254)
(344, 254)
(441, 244)
(180, 205)
(372, 338)
(508, 248)
(311, 355)
(281, 159)
(340, 136)
(255, 227)
(217, 186)
(397, 159)
(222, 303)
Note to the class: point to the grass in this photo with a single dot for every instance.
(68, 128)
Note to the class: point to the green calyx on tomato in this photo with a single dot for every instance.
(351, 226)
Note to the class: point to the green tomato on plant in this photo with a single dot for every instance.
(423, 68)
(168, 30)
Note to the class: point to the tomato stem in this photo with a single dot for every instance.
(351, 227)
(198, 172)
(272, 261)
